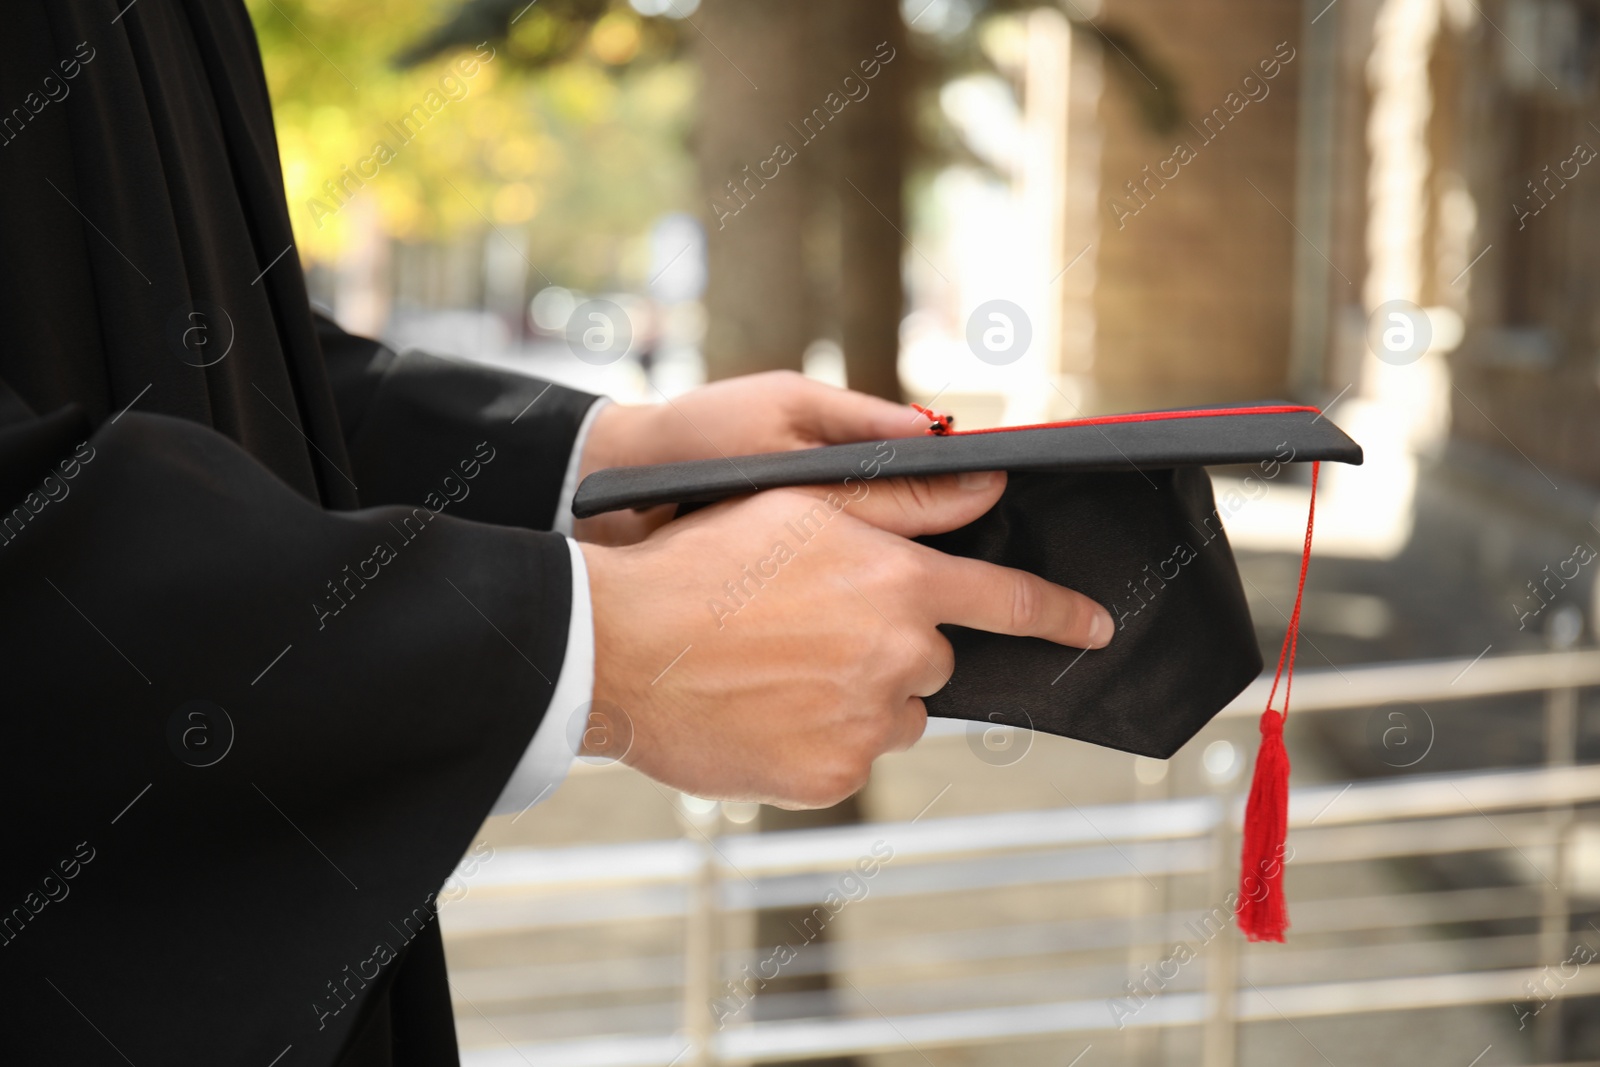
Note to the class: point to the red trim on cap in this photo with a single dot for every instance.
(942, 423)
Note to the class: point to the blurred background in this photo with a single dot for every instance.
(1026, 211)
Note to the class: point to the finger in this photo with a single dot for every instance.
(911, 507)
(910, 725)
(1003, 600)
(839, 416)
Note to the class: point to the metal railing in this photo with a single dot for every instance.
(1385, 950)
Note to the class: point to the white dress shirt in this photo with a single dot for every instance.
(548, 758)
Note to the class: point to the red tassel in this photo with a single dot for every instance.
(1261, 911)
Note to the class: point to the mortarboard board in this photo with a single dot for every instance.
(1119, 508)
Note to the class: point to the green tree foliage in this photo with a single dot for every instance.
(571, 124)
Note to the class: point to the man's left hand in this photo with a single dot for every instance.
(772, 412)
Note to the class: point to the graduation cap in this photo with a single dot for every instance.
(1121, 509)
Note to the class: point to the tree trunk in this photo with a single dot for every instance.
(810, 253)
(815, 250)
(752, 85)
(871, 197)
(800, 927)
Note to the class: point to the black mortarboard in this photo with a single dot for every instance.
(1119, 508)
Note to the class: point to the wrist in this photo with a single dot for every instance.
(621, 714)
(601, 564)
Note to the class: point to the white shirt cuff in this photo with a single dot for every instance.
(569, 484)
(556, 742)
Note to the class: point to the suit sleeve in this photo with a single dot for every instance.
(409, 416)
(251, 737)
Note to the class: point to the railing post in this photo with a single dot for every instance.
(1219, 1048)
(1148, 903)
(702, 822)
(1555, 920)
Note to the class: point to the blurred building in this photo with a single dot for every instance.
(1286, 171)
(1196, 255)
(1512, 139)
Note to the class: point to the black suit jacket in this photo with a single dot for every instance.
(274, 631)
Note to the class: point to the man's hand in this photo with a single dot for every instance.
(772, 412)
(771, 648)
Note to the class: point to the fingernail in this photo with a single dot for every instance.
(975, 479)
(1100, 629)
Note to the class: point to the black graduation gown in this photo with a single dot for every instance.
(274, 631)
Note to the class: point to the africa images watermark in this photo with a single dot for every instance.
(1255, 90)
(851, 887)
(803, 527)
(402, 131)
(1582, 154)
(1153, 581)
(1154, 979)
(1552, 981)
(743, 190)
(367, 970)
(52, 889)
(55, 90)
(350, 581)
(343, 988)
(53, 488)
(1582, 556)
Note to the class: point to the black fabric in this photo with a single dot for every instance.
(1153, 552)
(171, 533)
(150, 191)
(1120, 512)
(419, 1002)
(365, 747)
(426, 406)
(32, 447)
(356, 366)
(398, 410)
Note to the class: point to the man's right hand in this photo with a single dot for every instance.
(770, 648)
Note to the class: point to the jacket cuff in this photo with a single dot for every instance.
(427, 410)
(559, 738)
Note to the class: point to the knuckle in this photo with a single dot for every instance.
(911, 659)
(843, 779)
(895, 573)
(1027, 603)
(809, 798)
(886, 730)
(917, 494)
(860, 771)
(931, 652)
(787, 499)
(906, 568)
(918, 724)
(790, 386)
(875, 646)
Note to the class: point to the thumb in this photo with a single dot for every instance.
(911, 507)
(839, 416)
